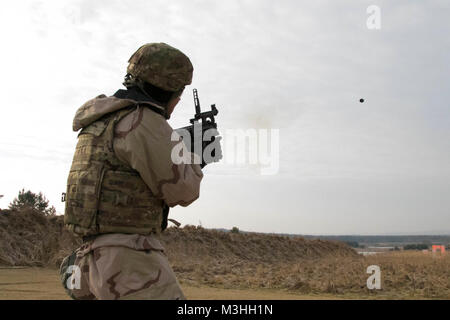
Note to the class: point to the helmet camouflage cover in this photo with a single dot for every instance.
(162, 66)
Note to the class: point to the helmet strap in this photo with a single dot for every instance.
(132, 81)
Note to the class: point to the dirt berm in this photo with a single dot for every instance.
(29, 238)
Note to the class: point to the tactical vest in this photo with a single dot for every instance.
(104, 194)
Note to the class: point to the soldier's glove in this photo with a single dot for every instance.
(212, 150)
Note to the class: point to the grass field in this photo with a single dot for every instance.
(44, 284)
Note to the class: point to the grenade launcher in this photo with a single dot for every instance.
(202, 122)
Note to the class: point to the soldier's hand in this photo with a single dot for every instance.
(212, 151)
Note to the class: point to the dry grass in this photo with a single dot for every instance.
(403, 274)
(29, 238)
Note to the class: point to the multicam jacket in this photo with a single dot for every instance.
(122, 176)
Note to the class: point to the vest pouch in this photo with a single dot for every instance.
(82, 199)
(127, 205)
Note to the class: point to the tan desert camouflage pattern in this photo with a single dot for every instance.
(161, 65)
(120, 266)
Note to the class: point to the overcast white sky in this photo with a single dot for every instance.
(379, 167)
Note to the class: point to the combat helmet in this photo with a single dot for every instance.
(161, 65)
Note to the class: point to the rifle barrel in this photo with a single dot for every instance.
(196, 102)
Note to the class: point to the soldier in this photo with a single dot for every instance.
(123, 181)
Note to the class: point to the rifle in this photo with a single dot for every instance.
(202, 122)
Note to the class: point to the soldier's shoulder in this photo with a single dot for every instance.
(154, 119)
(97, 107)
(143, 120)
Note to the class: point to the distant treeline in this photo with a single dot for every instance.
(395, 240)
(354, 244)
(360, 241)
(420, 246)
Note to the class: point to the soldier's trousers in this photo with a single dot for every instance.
(119, 266)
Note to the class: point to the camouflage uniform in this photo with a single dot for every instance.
(123, 180)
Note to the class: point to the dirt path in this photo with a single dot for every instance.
(44, 284)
